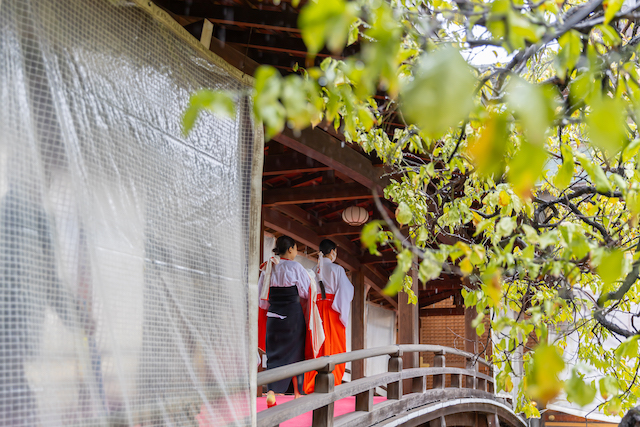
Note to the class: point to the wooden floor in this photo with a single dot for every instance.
(342, 406)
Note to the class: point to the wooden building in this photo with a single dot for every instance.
(311, 177)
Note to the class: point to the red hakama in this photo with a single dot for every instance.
(335, 341)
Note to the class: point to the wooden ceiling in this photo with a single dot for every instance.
(311, 177)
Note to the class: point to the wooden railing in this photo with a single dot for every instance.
(465, 383)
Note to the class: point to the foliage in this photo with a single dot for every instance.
(519, 173)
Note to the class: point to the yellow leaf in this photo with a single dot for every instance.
(488, 149)
(504, 198)
(466, 267)
(543, 382)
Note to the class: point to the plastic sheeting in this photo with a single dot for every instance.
(124, 270)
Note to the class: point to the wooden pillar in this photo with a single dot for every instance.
(471, 338)
(409, 328)
(358, 325)
(261, 389)
(470, 344)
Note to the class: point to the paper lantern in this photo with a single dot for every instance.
(355, 215)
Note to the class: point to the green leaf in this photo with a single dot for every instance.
(609, 35)
(595, 173)
(534, 105)
(565, 172)
(570, 49)
(608, 387)
(396, 280)
(631, 150)
(327, 21)
(606, 124)
(628, 348)
(611, 266)
(611, 8)
(440, 94)
(369, 236)
(505, 227)
(404, 214)
(354, 32)
(266, 100)
(430, 268)
(526, 167)
(216, 102)
(578, 391)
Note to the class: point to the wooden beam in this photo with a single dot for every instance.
(442, 311)
(234, 57)
(316, 194)
(282, 164)
(207, 32)
(321, 146)
(346, 244)
(338, 228)
(427, 299)
(377, 259)
(297, 213)
(237, 16)
(283, 42)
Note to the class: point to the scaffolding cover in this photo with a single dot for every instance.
(124, 246)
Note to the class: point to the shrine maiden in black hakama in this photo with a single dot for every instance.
(286, 326)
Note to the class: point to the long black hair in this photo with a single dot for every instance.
(283, 244)
(326, 246)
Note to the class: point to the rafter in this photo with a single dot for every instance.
(315, 194)
(289, 163)
(237, 16)
(320, 146)
(377, 259)
(442, 311)
(338, 228)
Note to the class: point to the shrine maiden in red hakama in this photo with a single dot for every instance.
(334, 305)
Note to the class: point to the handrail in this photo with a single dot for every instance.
(299, 368)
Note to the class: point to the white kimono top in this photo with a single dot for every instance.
(336, 282)
(287, 273)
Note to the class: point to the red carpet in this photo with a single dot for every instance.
(341, 407)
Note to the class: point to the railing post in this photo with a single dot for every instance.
(364, 401)
(438, 422)
(490, 386)
(471, 379)
(323, 417)
(439, 362)
(394, 389)
(419, 385)
(481, 383)
(492, 420)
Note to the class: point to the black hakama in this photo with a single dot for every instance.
(285, 337)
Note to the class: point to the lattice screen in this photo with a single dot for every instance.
(124, 267)
(449, 331)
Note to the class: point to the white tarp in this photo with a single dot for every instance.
(124, 275)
